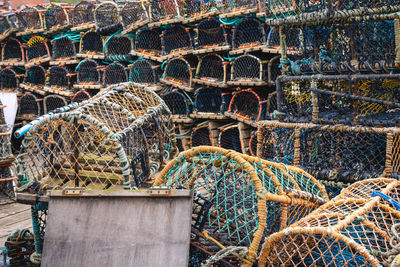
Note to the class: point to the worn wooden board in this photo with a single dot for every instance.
(13, 216)
(121, 229)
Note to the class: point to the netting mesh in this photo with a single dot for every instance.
(178, 102)
(91, 43)
(88, 72)
(242, 5)
(35, 76)
(148, 41)
(58, 78)
(37, 48)
(175, 39)
(144, 71)
(248, 33)
(247, 104)
(133, 13)
(80, 96)
(179, 72)
(193, 8)
(212, 68)
(12, 51)
(4, 25)
(208, 100)
(8, 80)
(164, 9)
(253, 144)
(201, 136)
(210, 33)
(82, 14)
(247, 68)
(115, 73)
(106, 17)
(63, 49)
(229, 138)
(28, 106)
(55, 16)
(29, 19)
(52, 102)
(118, 45)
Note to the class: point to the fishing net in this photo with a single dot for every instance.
(8, 80)
(6, 182)
(201, 135)
(52, 102)
(192, 9)
(82, 14)
(175, 40)
(28, 107)
(178, 102)
(88, 73)
(91, 44)
(212, 70)
(115, 73)
(37, 49)
(118, 47)
(210, 33)
(55, 17)
(357, 228)
(148, 41)
(99, 143)
(30, 19)
(243, 6)
(366, 102)
(208, 100)
(133, 15)
(107, 18)
(179, 72)
(341, 153)
(63, 49)
(248, 105)
(233, 193)
(145, 72)
(161, 10)
(248, 33)
(6, 27)
(229, 138)
(58, 78)
(253, 144)
(249, 70)
(20, 245)
(39, 219)
(80, 96)
(13, 51)
(35, 76)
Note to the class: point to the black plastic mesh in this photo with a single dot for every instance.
(106, 16)
(178, 102)
(8, 79)
(201, 136)
(55, 16)
(192, 8)
(4, 25)
(6, 187)
(249, 32)
(118, 45)
(37, 47)
(143, 71)
(178, 71)
(35, 75)
(247, 104)
(28, 105)
(82, 13)
(148, 40)
(91, 42)
(63, 48)
(253, 144)
(210, 32)
(164, 9)
(247, 68)
(174, 39)
(88, 72)
(229, 138)
(80, 96)
(12, 49)
(58, 77)
(29, 18)
(211, 69)
(208, 100)
(115, 73)
(53, 102)
(232, 5)
(133, 12)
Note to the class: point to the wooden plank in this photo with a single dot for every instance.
(13, 209)
(6, 230)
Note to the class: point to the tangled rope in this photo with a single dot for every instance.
(241, 251)
(392, 257)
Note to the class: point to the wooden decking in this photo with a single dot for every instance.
(13, 215)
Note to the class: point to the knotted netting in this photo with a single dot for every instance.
(30, 19)
(52, 102)
(35, 77)
(179, 72)
(37, 49)
(248, 105)
(248, 33)
(193, 9)
(212, 70)
(145, 72)
(178, 102)
(233, 194)
(357, 228)
(115, 73)
(242, 6)
(8, 80)
(91, 43)
(201, 135)
(161, 10)
(28, 107)
(88, 73)
(249, 70)
(106, 16)
(13, 51)
(55, 18)
(208, 100)
(82, 14)
(133, 15)
(253, 144)
(80, 96)
(58, 78)
(229, 137)
(210, 33)
(63, 48)
(118, 47)
(148, 42)
(7, 26)
(176, 39)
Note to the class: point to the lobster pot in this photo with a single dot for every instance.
(333, 234)
(148, 41)
(118, 47)
(179, 72)
(248, 70)
(52, 102)
(293, 40)
(8, 80)
(115, 73)
(248, 105)
(210, 33)
(161, 10)
(80, 96)
(178, 102)
(344, 153)
(82, 15)
(55, 18)
(28, 107)
(208, 100)
(133, 15)
(6, 27)
(88, 73)
(223, 181)
(35, 76)
(193, 9)
(248, 33)
(63, 49)
(12, 52)
(201, 136)
(58, 78)
(37, 49)
(240, 7)
(212, 70)
(229, 138)
(6, 182)
(175, 40)
(253, 144)
(347, 101)
(91, 44)
(144, 71)
(107, 18)
(30, 20)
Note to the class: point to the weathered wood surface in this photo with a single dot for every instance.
(13, 216)
(114, 230)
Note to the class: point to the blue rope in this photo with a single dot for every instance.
(4, 252)
(387, 198)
